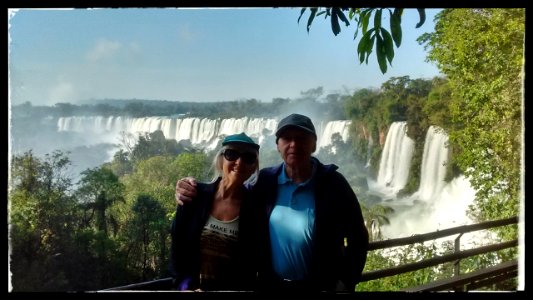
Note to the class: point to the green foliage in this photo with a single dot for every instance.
(100, 189)
(376, 216)
(53, 235)
(485, 72)
(415, 170)
(372, 112)
(363, 109)
(375, 157)
(436, 107)
(157, 176)
(192, 164)
(389, 258)
(42, 217)
(377, 37)
(121, 164)
(148, 235)
(153, 144)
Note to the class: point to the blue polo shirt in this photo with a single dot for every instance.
(292, 227)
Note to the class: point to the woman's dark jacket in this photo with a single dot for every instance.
(186, 231)
(337, 216)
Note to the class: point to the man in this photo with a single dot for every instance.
(311, 232)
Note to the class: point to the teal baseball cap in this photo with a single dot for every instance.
(240, 138)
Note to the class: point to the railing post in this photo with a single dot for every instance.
(456, 265)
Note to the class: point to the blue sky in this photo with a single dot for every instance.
(193, 55)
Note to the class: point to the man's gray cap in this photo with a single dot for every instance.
(297, 121)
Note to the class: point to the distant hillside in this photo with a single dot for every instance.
(311, 104)
(121, 103)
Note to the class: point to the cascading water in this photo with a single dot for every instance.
(436, 204)
(395, 161)
(201, 132)
(433, 164)
(325, 133)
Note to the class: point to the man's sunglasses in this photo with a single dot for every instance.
(233, 155)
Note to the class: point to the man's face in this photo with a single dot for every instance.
(296, 146)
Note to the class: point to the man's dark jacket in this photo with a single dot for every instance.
(338, 218)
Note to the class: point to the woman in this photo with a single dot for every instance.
(213, 238)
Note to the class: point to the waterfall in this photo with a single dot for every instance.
(434, 162)
(436, 204)
(203, 133)
(324, 136)
(395, 160)
(369, 151)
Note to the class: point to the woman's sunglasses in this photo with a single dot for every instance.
(233, 155)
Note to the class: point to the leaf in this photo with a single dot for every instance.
(398, 11)
(311, 17)
(364, 48)
(388, 46)
(335, 21)
(365, 19)
(301, 14)
(370, 46)
(377, 19)
(343, 17)
(422, 13)
(359, 24)
(361, 56)
(382, 61)
(351, 13)
(396, 27)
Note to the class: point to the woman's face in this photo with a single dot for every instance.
(239, 162)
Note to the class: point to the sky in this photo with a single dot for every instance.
(199, 55)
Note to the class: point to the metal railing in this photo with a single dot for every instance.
(458, 282)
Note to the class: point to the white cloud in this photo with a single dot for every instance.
(103, 49)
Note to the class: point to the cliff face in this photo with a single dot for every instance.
(382, 135)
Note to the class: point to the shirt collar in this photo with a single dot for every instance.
(283, 178)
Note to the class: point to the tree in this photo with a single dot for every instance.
(99, 190)
(481, 51)
(152, 184)
(66, 109)
(153, 144)
(148, 235)
(42, 216)
(120, 165)
(375, 217)
(363, 109)
(156, 176)
(377, 37)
